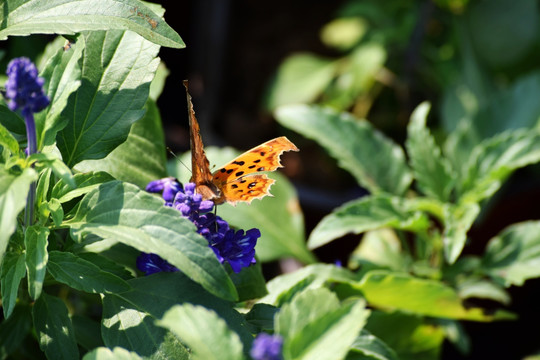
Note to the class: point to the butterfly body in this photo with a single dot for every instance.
(238, 180)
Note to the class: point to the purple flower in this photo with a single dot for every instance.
(191, 204)
(267, 347)
(235, 247)
(24, 88)
(152, 263)
(169, 187)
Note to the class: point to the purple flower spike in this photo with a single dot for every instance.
(267, 347)
(235, 247)
(24, 88)
(152, 263)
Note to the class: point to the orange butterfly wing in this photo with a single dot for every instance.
(238, 180)
(200, 166)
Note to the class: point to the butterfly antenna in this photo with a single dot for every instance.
(177, 158)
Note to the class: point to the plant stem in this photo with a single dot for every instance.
(32, 149)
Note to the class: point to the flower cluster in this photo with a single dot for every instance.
(234, 247)
(24, 88)
(267, 347)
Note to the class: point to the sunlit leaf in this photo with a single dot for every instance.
(374, 160)
(13, 192)
(513, 256)
(431, 170)
(420, 296)
(195, 325)
(116, 74)
(70, 17)
(141, 158)
(36, 257)
(368, 213)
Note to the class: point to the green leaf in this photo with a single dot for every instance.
(70, 17)
(36, 257)
(316, 326)
(195, 325)
(407, 335)
(369, 213)
(103, 353)
(493, 160)
(57, 212)
(126, 326)
(357, 74)
(8, 141)
(123, 213)
(116, 74)
(62, 73)
(117, 353)
(420, 296)
(282, 234)
(13, 193)
(483, 289)
(84, 183)
(43, 186)
(12, 121)
(87, 332)
(106, 264)
(301, 78)
(318, 275)
(129, 317)
(158, 84)
(53, 328)
(375, 161)
(250, 283)
(261, 316)
(512, 257)
(13, 271)
(14, 329)
(381, 248)
(141, 158)
(344, 33)
(60, 169)
(513, 108)
(83, 275)
(367, 346)
(432, 172)
(304, 308)
(458, 220)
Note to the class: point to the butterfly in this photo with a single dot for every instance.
(239, 180)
